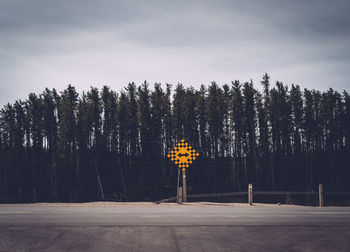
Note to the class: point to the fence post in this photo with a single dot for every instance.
(179, 196)
(320, 194)
(250, 194)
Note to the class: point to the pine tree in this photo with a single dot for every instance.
(144, 117)
(67, 143)
(296, 101)
(237, 125)
(346, 121)
(123, 115)
(225, 138)
(214, 114)
(190, 125)
(267, 135)
(51, 135)
(202, 120)
(8, 125)
(84, 170)
(36, 131)
(249, 130)
(178, 111)
(133, 123)
(157, 125)
(106, 96)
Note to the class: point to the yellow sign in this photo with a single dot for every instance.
(183, 155)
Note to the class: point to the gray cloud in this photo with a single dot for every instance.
(53, 43)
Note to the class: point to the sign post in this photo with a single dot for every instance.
(183, 155)
(178, 189)
(184, 198)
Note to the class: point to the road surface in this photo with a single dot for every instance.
(171, 227)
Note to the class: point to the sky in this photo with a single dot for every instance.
(88, 43)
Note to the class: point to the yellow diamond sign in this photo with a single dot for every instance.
(183, 155)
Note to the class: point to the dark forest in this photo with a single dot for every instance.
(104, 145)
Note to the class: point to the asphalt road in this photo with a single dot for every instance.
(169, 227)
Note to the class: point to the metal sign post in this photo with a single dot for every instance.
(182, 155)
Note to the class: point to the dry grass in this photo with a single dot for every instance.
(145, 204)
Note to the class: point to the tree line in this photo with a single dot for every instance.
(104, 145)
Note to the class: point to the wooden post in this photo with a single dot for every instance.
(320, 194)
(178, 185)
(179, 196)
(250, 194)
(184, 193)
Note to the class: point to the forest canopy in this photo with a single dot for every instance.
(62, 146)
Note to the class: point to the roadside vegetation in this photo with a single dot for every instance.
(100, 145)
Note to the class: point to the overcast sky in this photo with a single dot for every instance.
(94, 43)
